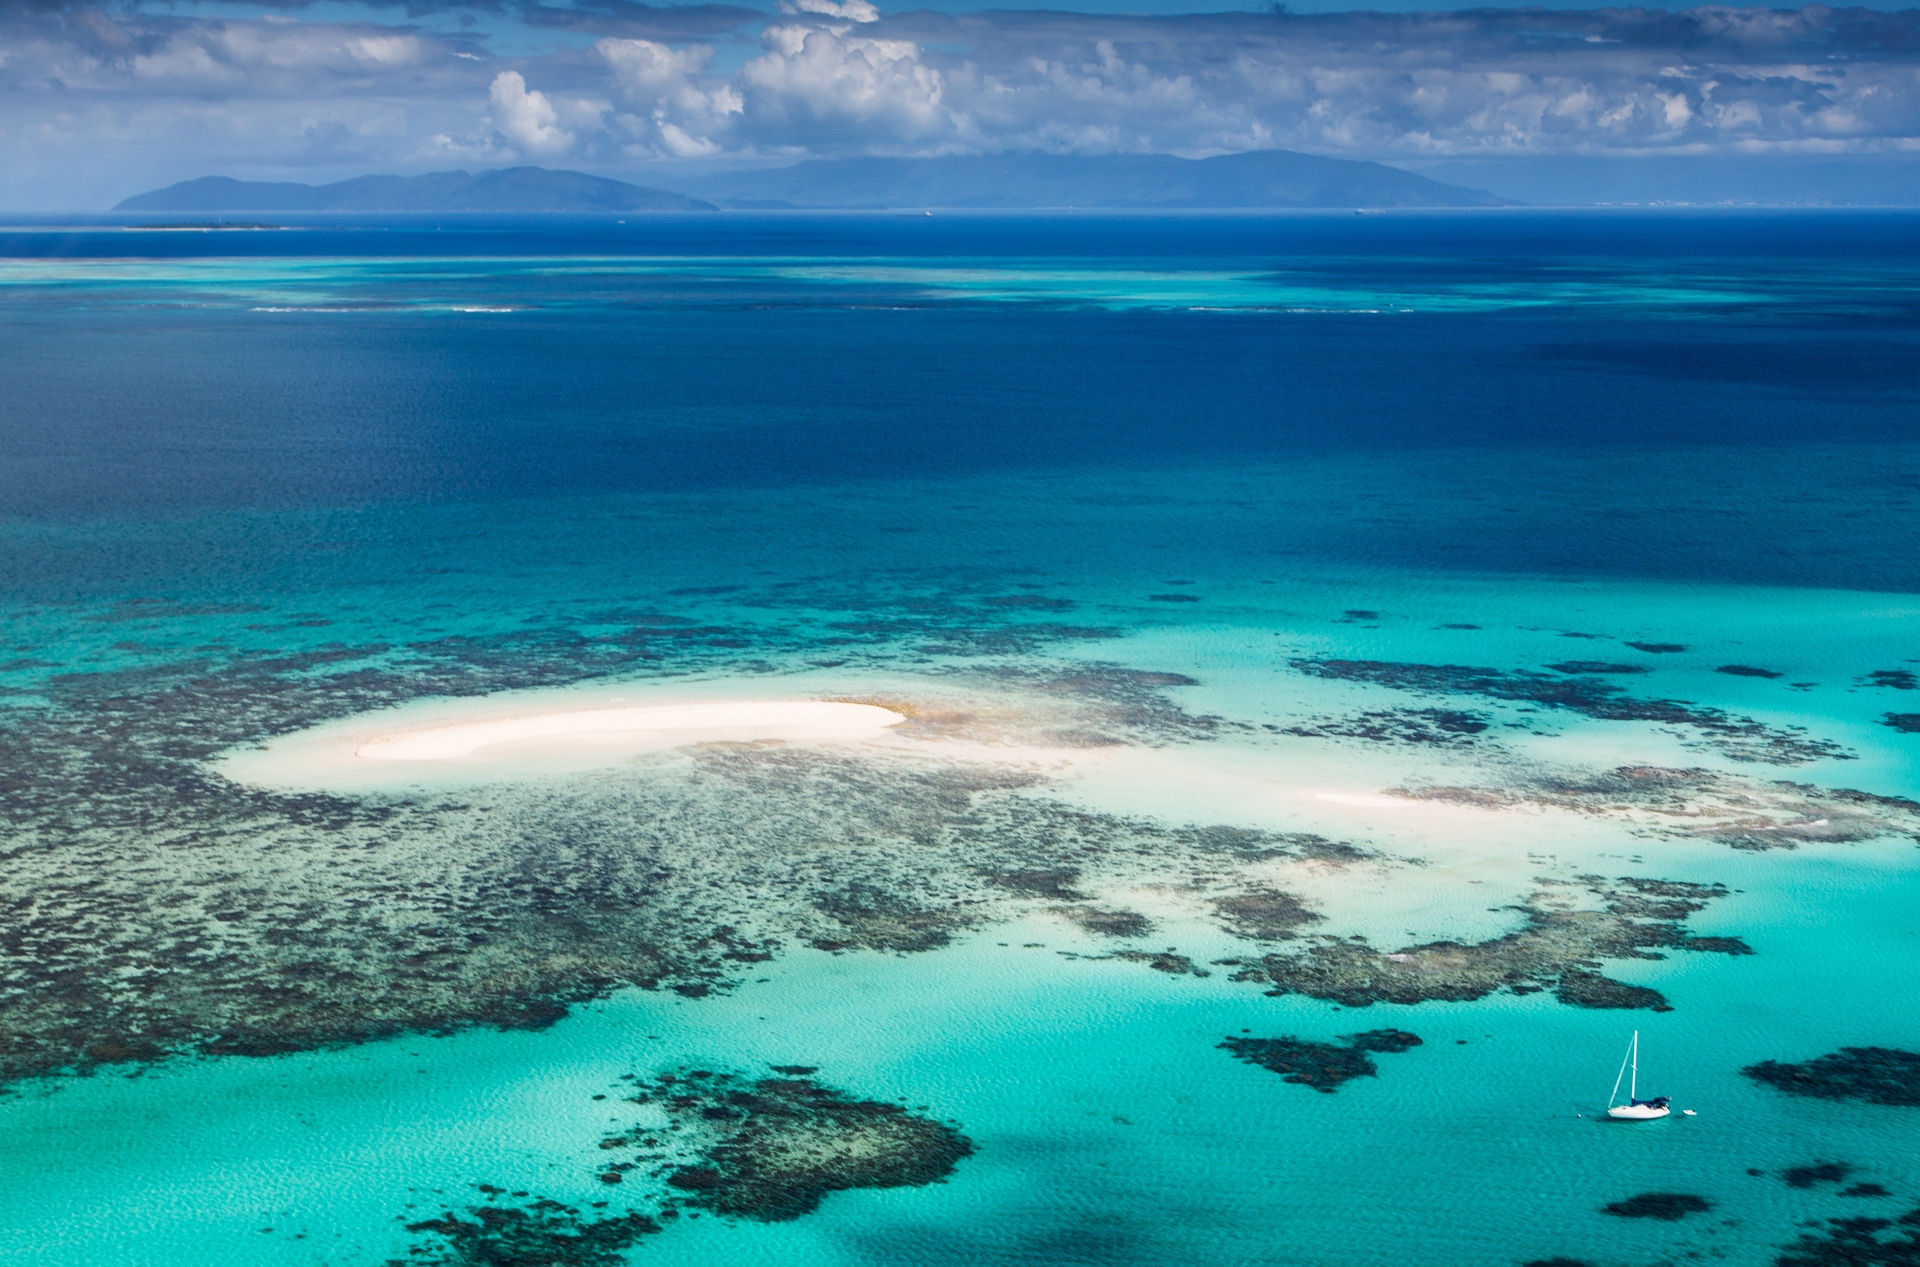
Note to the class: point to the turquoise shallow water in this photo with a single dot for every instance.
(1458, 1154)
(693, 470)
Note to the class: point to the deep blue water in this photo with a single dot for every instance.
(1518, 356)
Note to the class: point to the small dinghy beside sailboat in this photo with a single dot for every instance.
(1635, 1109)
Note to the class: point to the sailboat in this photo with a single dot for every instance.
(1635, 1109)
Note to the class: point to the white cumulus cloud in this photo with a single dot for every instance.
(148, 95)
(527, 119)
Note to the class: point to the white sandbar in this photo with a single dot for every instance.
(515, 738)
(654, 726)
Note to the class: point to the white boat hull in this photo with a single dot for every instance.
(1636, 1113)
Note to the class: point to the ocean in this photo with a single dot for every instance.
(1344, 675)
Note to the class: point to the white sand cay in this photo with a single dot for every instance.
(655, 726)
(535, 735)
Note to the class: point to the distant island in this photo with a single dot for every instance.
(1258, 179)
(524, 189)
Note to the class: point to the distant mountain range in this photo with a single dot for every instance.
(1262, 178)
(510, 189)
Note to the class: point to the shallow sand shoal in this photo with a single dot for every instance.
(536, 736)
(659, 725)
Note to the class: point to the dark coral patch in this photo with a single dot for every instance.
(1668, 1206)
(1435, 727)
(1053, 882)
(1557, 949)
(1264, 915)
(1174, 965)
(1658, 648)
(1109, 923)
(1905, 723)
(1894, 679)
(1387, 1040)
(1878, 1075)
(771, 1149)
(1818, 1172)
(1739, 738)
(1857, 1242)
(1590, 989)
(1748, 670)
(1322, 1066)
(878, 919)
(542, 1233)
(1596, 666)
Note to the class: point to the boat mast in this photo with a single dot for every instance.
(1633, 1087)
(1633, 1051)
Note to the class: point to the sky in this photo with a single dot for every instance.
(1558, 103)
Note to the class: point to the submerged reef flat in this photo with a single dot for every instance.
(1560, 948)
(1748, 814)
(1433, 727)
(770, 1149)
(1263, 916)
(155, 907)
(1322, 1066)
(1877, 1075)
(1590, 695)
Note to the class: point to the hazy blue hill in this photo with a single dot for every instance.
(511, 189)
(1262, 178)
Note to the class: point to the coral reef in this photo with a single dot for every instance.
(154, 907)
(1322, 1066)
(1878, 1075)
(1741, 813)
(1737, 738)
(1815, 1172)
(540, 1233)
(1167, 961)
(1434, 727)
(771, 1149)
(1560, 947)
(1263, 915)
(1858, 1242)
(1667, 1206)
(1109, 923)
